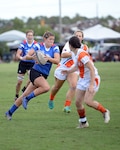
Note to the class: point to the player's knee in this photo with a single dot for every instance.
(46, 88)
(73, 88)
(88, 103)
(19, 83)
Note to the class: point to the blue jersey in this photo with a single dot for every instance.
(25, 47)
(45, 69)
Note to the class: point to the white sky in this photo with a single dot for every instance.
(10, 9)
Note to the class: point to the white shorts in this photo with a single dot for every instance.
(59, 75)
(83, 83)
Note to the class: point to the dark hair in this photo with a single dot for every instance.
(47, 34)
(74, 42)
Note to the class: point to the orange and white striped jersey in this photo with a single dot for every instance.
(82, 58)
(84, 47)
(67, 63)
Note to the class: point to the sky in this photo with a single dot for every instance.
(9, 9)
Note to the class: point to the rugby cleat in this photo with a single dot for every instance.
(67, 109)
(106, 116)
(50, 104)
(16, 97)
(24, 103)
(83, 125)
(8, 116)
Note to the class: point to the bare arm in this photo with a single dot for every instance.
(19, 54)
(29, 56)
(66, 55)
(66, 52)
(73, 69)
(54, 60)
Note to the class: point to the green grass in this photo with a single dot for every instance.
(40, 128)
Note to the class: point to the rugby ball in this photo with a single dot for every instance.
(40, 57)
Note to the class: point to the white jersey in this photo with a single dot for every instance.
(84, 47)
(82, 58)
(67, 63)
(84, 80)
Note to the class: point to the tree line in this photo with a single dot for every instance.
(42, 23)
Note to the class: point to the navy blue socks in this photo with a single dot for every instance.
(30, 96)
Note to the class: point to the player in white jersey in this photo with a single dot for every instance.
(87, 85)
(67, 61)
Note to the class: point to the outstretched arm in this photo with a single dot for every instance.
(29, 56)
(54, 60)
(73, 69)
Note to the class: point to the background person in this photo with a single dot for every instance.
(67, 61)
(38, 73)
(24, 65)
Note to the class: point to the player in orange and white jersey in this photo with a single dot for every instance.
(67, 61)
(87, 85)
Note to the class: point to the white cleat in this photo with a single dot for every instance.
(106, 116)
(83, 125)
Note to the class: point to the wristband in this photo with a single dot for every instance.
(21, 58)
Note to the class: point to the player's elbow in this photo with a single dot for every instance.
(18, 56)
(57, 62)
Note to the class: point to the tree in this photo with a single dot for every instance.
(17, 24)
(3, 48)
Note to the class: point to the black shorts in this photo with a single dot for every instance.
(24, 66)
(35, 74)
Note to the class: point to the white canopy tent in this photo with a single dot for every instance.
(100, 33)
(13, 44)
(12, 35)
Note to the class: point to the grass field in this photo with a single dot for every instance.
(40, 128)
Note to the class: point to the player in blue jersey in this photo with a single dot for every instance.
(38, 73)
(24, 65)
